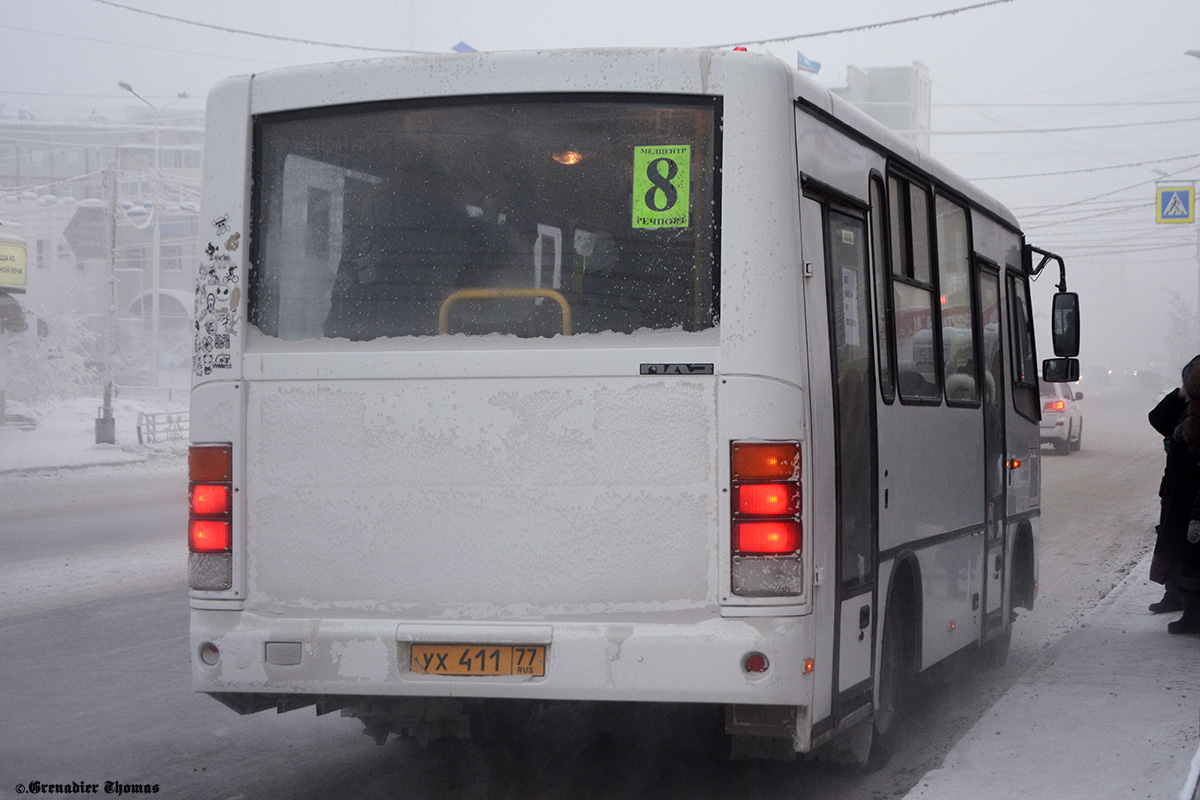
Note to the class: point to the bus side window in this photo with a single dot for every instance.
(958, 326)
(912, 287)
(879, 260)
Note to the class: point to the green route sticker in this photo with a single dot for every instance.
(661, 186)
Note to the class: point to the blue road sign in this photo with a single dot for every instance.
(1176, 204)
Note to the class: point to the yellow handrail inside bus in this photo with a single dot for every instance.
(502, 294)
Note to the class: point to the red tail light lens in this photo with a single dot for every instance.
(209, 536)
(766, 538)
(210, 499)
(767, 499)
(1056, 405)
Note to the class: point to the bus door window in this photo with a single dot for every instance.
(850, 314)
(879, 258)
(1024, 380)
(993, 391)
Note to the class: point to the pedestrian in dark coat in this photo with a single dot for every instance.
(1182, 514)
(1164, 566)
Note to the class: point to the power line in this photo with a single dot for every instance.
(1058, 130)
(174, 50)
(1139, 103)
(255, 33)
(1088, 169)
(856, 28)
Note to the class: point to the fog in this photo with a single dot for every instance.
(1067, 111)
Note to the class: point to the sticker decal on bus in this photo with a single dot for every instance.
(217, 297)
(661, 186)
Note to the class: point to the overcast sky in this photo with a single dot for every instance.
(1025, 68)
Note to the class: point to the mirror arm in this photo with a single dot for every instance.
(1046, 257)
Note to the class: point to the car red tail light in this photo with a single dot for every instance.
(1055, 405)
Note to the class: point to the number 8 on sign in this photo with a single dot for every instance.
(661, 186)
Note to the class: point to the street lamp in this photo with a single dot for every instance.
(155, 210)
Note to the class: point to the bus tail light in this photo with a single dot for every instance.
(765, 529)
(210, 517)
(766, 538)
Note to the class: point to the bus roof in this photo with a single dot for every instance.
(670, 70)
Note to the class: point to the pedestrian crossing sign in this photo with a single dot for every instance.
(1176, 204)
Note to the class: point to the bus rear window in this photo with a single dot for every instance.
(525, 216)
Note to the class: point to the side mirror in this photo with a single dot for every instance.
(1065, 324)
(1060, 370)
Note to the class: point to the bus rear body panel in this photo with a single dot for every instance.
(580, 514)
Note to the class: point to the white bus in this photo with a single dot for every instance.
(621, 375)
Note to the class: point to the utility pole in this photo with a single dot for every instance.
(106, 424)
(156, 231)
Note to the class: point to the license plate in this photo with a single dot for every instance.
(475, 659)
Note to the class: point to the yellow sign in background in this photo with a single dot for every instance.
(13, 277)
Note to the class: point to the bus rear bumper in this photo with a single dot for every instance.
(236, 652)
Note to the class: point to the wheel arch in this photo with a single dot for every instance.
(904, 596)
(1024, 567)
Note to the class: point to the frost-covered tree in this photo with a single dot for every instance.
(54, 365)
(1182, 325)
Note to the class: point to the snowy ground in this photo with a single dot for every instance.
(62, 433)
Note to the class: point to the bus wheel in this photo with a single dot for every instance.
(883, 733)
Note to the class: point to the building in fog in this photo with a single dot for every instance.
(898, 97)
(57, 183)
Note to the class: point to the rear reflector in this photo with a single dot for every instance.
(766, 538)
(756, 662)
(766, 461)
(209, 536)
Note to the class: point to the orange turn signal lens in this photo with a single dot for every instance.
(766, 461)
(209, 536)
(210, 463)
(766, 538)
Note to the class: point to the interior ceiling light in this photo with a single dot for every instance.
(567, 157)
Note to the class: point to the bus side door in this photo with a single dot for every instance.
(843, 400)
